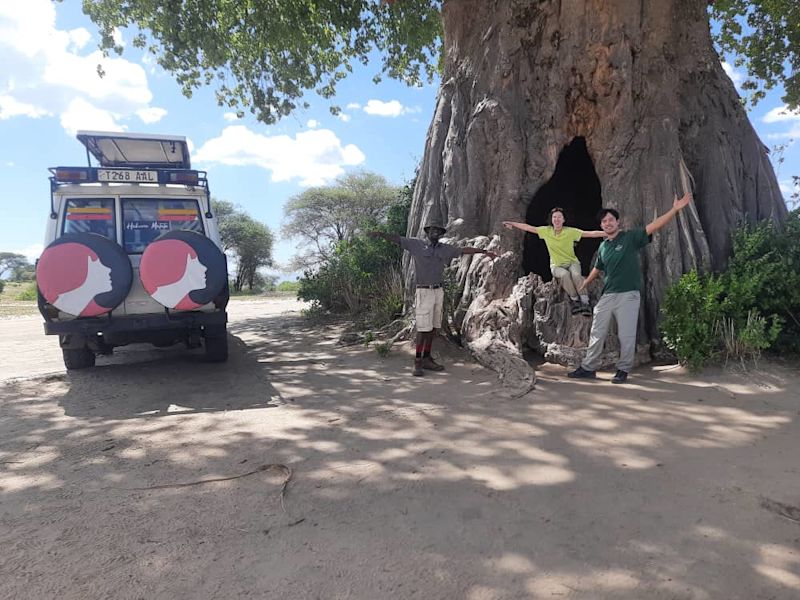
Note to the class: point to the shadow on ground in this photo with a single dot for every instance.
(434, 487)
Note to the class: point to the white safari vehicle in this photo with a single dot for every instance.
(132, 251)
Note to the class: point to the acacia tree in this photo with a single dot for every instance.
(321, 217)
(541, 102)
(12, 263)
(249, 241)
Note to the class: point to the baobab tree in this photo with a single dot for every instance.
(576, 103)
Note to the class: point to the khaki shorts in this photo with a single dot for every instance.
(429, 303)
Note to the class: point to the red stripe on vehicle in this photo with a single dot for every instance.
(88, 217)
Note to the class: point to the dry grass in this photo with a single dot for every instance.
(262, 296)
(11, 307)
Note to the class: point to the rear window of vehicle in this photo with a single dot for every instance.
(90, 216)
(143, 220)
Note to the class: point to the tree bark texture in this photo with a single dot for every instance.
(640, 82)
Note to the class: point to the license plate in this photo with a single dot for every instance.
(127, 176)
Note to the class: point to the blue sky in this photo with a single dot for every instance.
(49, 89)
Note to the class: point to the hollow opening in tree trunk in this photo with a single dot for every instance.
(574, 187)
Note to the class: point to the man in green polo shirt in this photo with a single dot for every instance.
(618, 260)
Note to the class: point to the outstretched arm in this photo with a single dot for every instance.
(590, 278)
(593, 234)
(522, 226)
(488, 253)
(389, 237)
(677, 206)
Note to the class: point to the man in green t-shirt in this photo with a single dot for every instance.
(618, 260)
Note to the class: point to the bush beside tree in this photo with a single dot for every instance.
(362, 276)
(753, 306)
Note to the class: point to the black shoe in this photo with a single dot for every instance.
(575, 307)
(418, 372)
(586, 309)
(581, 373)
(430, 364)
(620, 377)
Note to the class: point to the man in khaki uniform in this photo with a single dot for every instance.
(430, 259)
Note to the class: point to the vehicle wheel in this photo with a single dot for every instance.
(216, 348)
(78, 358)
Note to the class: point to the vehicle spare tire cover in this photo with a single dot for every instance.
(84, 274)
(183, 270)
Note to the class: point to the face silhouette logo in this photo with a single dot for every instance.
(84, 275)
(183, 270)
(173, 271)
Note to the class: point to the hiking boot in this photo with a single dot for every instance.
(620, 377)
(586, 309)
(581, 373)
(430, 364)
(418, 367)
(575, 307)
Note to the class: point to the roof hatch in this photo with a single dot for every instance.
(137, 150)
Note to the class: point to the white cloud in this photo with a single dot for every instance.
(354, 106)
(31, 252)
(312, 124)
(10, 107)
(344, 117)
(81, 114)
(116, 35)
(11, 163)
(124, 84)
(230, 116)
(78, 38)
(46, 70)
(788, 187)
(781, 113)
(737, 77)
(314, 157)
(393, 108)
(791, 134)
(151, 115)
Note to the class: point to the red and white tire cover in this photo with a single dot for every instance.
(183, 270)
(84, 274)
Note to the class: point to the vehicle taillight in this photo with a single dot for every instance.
(72, 175)
(184, 177)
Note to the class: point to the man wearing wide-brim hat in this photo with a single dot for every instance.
(430, 259)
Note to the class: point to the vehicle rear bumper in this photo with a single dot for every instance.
(177, 322)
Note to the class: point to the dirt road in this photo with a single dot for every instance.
(439, 487)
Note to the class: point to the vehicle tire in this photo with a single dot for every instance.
(216, 347)
(78, 358)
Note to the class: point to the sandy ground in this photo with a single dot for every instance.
(673, 487)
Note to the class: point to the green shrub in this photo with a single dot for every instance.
(28, 293)
(753, 306)
(2, 286)
(362, 277)
(741, 343)
(288, 286)
(691, 309)
(383, 349)
(764, 274)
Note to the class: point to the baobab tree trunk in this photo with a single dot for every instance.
(582, 104)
